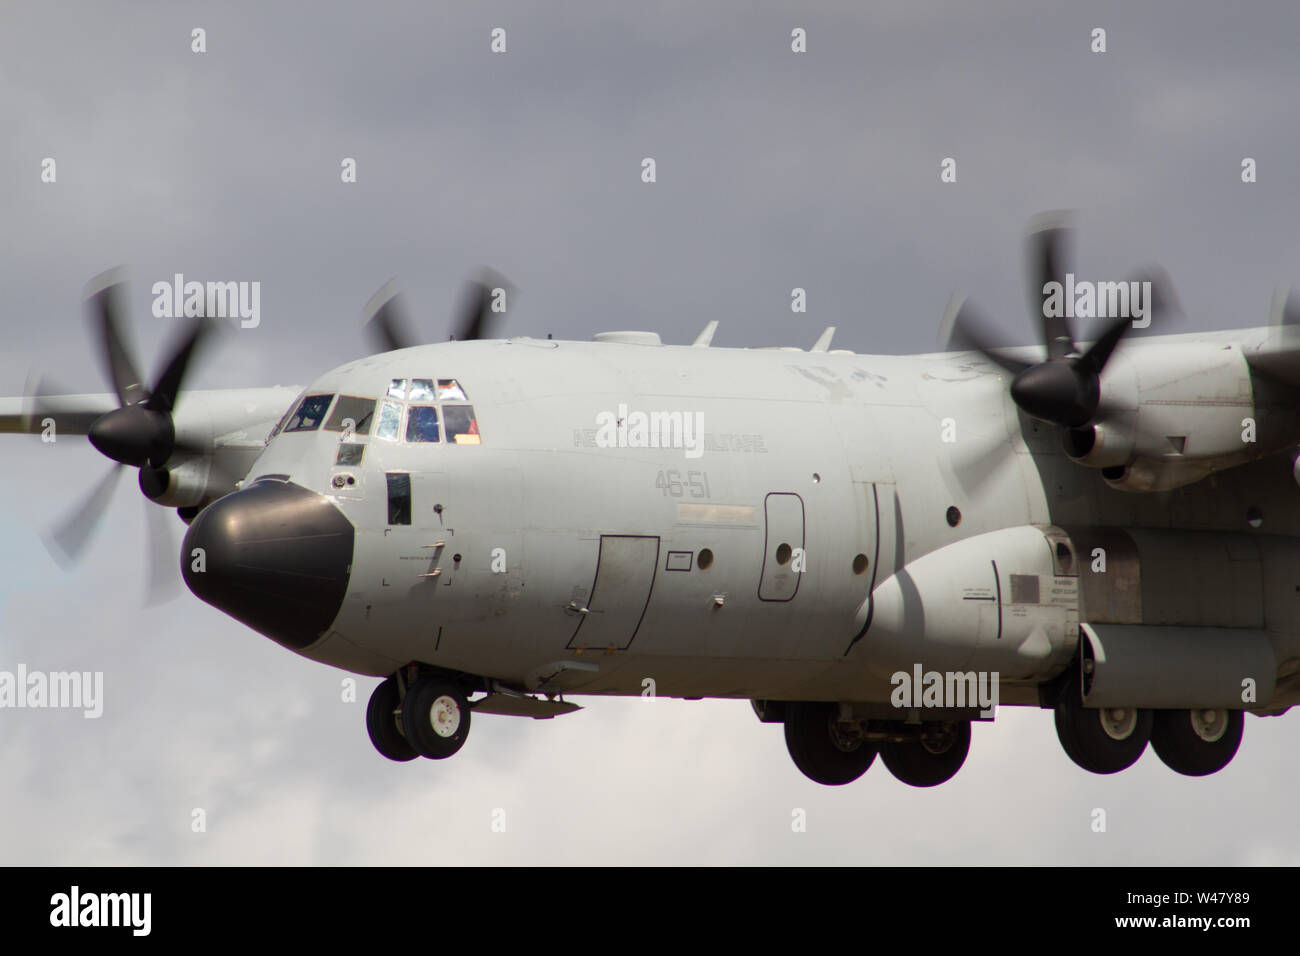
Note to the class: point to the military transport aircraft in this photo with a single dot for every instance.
(872, 549)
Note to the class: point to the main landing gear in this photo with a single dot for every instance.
(1110, 739)
(832, 751)
(430, 720)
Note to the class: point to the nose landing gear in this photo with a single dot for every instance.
(432, 719)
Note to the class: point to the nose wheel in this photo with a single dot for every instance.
(384, 722)
(435, 717)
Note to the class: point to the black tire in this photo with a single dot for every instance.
(435, 717)
(383, 723)
(1195, 744)
(931, 760)
(1100, 739)
(820, 752)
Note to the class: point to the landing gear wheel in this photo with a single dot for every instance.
(1197, 742)
(435, 717)
(383, 721)
(823, 751)
(928, 762)
(1100, 739)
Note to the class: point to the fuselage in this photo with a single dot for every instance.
(559, 548)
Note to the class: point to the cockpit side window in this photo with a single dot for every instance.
(309, 414)
(397, 388)
(422, 423)
(399, 498)
(284, 420)
(462, 426)
(359, 411)
(390, 421)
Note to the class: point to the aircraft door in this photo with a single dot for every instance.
(625, 576)
(783, 547)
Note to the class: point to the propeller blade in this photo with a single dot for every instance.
(386, 321)
(474, 318)
(1048, 254)
(163, 582)
(165, 390)
(964, 327)
(105, 304)
(69, 537)
(1095, 359)
(1164, 297)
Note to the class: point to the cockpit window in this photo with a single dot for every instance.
(309, 414)
(462, 426)
(397, 388)
(359, 411)
(421, 390)
(422, 423)
(279, 426)
(449, 390)
(390, 421)
(349, 454)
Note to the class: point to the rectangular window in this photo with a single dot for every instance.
(399, 498)
(462, 426)
(421, 390)
(449, 390)
(360, 411)
(349, 454)
(390, 421)
(309, 414)
(397, 388)
(422, 423)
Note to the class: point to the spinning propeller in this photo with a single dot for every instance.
(140, 433)
(1065, 388)
(387, 318)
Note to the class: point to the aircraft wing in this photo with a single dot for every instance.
(72, 414)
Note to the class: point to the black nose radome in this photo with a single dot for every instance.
(274, 556)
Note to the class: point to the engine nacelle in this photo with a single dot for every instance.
(184, 483)
(1005, 601)
(1176, 412)
(1105, 445)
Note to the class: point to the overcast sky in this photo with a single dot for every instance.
(775, 170)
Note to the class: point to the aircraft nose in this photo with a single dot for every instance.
(275, 556)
